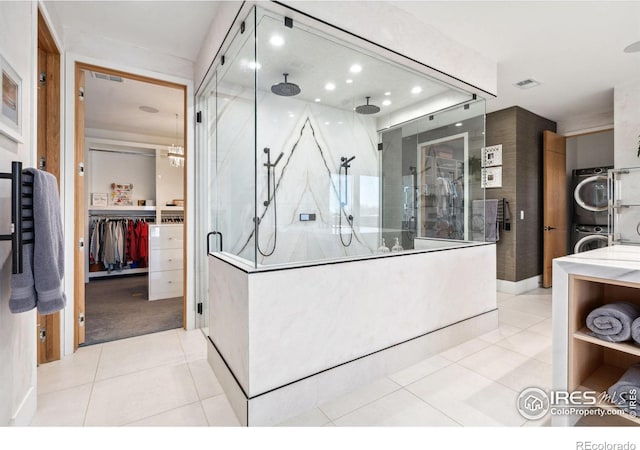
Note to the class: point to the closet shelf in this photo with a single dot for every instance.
(122, 208)
(625, 347)
(599, 381)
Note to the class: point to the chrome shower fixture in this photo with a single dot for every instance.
(286, 89)
(367, 109)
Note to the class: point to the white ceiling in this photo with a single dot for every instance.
(573, 48)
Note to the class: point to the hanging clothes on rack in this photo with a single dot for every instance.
(117, 243)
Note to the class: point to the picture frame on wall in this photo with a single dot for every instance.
(10, 101)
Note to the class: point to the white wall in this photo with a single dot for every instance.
(17, 331)
(380, 23)
(590, 150)
(626, 98)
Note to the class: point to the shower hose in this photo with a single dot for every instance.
(275, 219)
(350, 218)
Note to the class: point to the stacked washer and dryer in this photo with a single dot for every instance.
(590, 209)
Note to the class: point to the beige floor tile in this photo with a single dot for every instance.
(194, 344)
(493, 362)
(205, 380)
(468, 348)
(544, 328)
(500, 333)
(419, 370)
(185, 416)
(531, 373)
(358, 398)
(219, 412)
(468, 398)
(530, 304)
(517, 318)
(127, 398)
(139, 353)
(539, 291)
(399, 408)
(545, 355)
(73, 370)
(65, 408)
(526, 343)
(312, 418)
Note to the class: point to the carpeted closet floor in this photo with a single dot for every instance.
(118, 308)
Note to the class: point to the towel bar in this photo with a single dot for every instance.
(16, 216)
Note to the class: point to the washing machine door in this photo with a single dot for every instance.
(591, 193)
(591, 242)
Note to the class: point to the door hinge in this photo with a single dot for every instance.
(81, 243)
(81, 319)
(199, 308)
(43, 163)
(42, 78)
(199, 117)
(42, 334)
(81, 169)
(81, 94)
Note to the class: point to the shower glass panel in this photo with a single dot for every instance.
(324, 150)
(235, 145)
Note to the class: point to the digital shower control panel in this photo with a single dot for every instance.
(307, 217)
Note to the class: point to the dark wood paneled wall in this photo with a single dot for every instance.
(519, 251)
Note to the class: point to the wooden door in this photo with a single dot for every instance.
(555, 202)
(79, 207)
(48, 158)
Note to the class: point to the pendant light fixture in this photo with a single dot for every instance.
(176, 152)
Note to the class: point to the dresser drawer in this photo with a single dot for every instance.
(165, 236)
(165, 284)
(166, 259)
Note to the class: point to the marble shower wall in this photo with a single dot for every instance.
(312, 137)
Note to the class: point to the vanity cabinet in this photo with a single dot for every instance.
(594, 364)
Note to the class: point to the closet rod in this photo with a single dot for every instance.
(122, 152)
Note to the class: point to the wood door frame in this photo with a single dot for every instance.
(48, 147)
(79, 195)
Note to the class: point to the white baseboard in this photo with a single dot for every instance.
(518, 287)
(26, 411)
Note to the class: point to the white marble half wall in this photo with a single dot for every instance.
(312, 137)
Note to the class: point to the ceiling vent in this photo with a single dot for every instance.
(104, 76)
(527, 84)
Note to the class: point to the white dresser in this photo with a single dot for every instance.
(165, 261)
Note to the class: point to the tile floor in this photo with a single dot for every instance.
(164, 379)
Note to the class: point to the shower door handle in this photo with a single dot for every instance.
(209, 240)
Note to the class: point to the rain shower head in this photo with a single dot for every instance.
(285, 89)
(367, 109)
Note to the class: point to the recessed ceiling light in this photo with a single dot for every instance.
(349, 81)
(291, 115)
(327, 123)
(386, 102)
(276, 41)
(254, 65)
(459, 124)
(387, 93)
(416, 90)
(329, 86)
(148, 109)
(356, 68)
(317, 100)
(527, 84)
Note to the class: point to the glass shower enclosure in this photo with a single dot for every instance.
(317, 150)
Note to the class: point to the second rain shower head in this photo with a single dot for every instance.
(367, 109)
(285, 89)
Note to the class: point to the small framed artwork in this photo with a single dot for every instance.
(11, 111)
(492, 156)
(99, 199)
(492, 177)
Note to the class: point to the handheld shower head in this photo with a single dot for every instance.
(278, 159)
(344, 161)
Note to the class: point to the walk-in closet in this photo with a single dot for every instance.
(134, 216)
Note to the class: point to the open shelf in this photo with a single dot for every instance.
(122, 208)
(106, 273)
(626, 347)
(599, 381)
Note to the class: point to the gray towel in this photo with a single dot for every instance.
(626, 391)
(484, 220)
(635, 330)
(40, 284)
(612, 322)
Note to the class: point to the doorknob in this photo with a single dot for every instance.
(548, 228)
